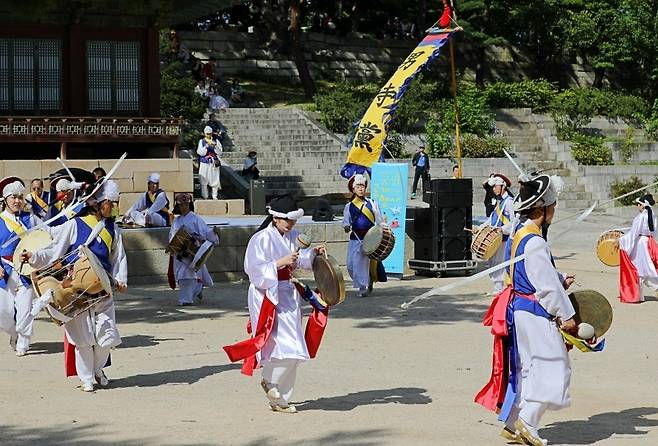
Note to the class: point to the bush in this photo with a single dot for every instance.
(395, 145)
(590, 151)
(534, 94)
(573, 109)
(618, 188)
(439, 140)
(340, 108)
(488, 147)
(651, 123)
(628, 147)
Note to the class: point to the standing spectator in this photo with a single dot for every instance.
(99, 173)
(456, 173)
(422, 164)
(208, 70)
(250, 169)
(218, 130)
(489, 197)
(197, 70)
(208, 150)
(236, 91)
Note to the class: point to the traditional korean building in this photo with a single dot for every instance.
(81, 78)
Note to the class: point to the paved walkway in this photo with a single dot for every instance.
(383, 376)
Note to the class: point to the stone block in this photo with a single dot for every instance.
(317, 232)
(147, 263)
(169, 181)
(25, 170)
(234, 235)
(145, 239)
(219, 207)
(225, 259)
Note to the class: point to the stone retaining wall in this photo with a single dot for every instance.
(148, 263)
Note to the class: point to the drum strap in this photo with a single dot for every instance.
(360, 203)
(13, 226)
(518, 237)
(499, 211)
(105, 235)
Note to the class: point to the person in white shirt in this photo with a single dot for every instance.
(152, 208)
(190, 282)
(209, 151)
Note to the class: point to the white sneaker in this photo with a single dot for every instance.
(102, 380)
(272, 392)
(87, 387)
(21, 352)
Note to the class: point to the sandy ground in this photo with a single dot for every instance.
(383, 376)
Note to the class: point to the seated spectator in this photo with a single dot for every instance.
(236, 91)
(249, 168)
(201, 90)
(217, 101)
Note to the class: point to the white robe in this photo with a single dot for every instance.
(16, 300)
(498, 277)
(358, 264)
(197, 228)
(98, 325)
(140, 209)
(634, 242)
(208, 173)
(544, 366)
(264, 249)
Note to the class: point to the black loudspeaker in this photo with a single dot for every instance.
(456, 248)
(454, 220)
(449, 193)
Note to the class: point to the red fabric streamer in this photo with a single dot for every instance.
(491, 396)
(69, 358)
(444, 21)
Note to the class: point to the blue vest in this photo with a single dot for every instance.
(99, 248)
(162, 213)
(360, 223)
(210, 157)
(8, 251)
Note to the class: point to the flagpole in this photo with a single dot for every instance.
(453, 73)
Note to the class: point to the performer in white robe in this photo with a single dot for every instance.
(95, 331)
(539, 368)
(16, 292)
(278, 340)
(639, 254)
(190, 282)
(501, 217)
(359, 215)
(38, 199)
(209, 150)
(152, 208)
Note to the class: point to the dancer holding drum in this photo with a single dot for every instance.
(638, 254)
(190, 278)
(531, 371)
(359, 216)
(16, 292)
(278, 340)
(93, 332)
(501, 217)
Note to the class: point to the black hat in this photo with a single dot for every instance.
(531, 193)
(283, 206)
(646, 199)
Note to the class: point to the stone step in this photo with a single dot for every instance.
(219, 207)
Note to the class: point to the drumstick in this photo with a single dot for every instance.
(471, 230)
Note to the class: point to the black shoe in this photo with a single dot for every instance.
(370, 288)
(200, 296)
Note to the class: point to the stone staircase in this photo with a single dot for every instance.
(536, 147)
(535, 143)
(295, 153)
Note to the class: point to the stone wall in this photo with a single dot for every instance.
(360, 57)
(148, 263)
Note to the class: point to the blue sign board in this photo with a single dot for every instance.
(389, 190)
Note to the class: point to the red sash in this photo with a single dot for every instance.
(246, 350)
(69, 358)
(629, 280)
(491, 396)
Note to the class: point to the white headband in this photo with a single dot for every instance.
(15, 188)
(292, 215)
